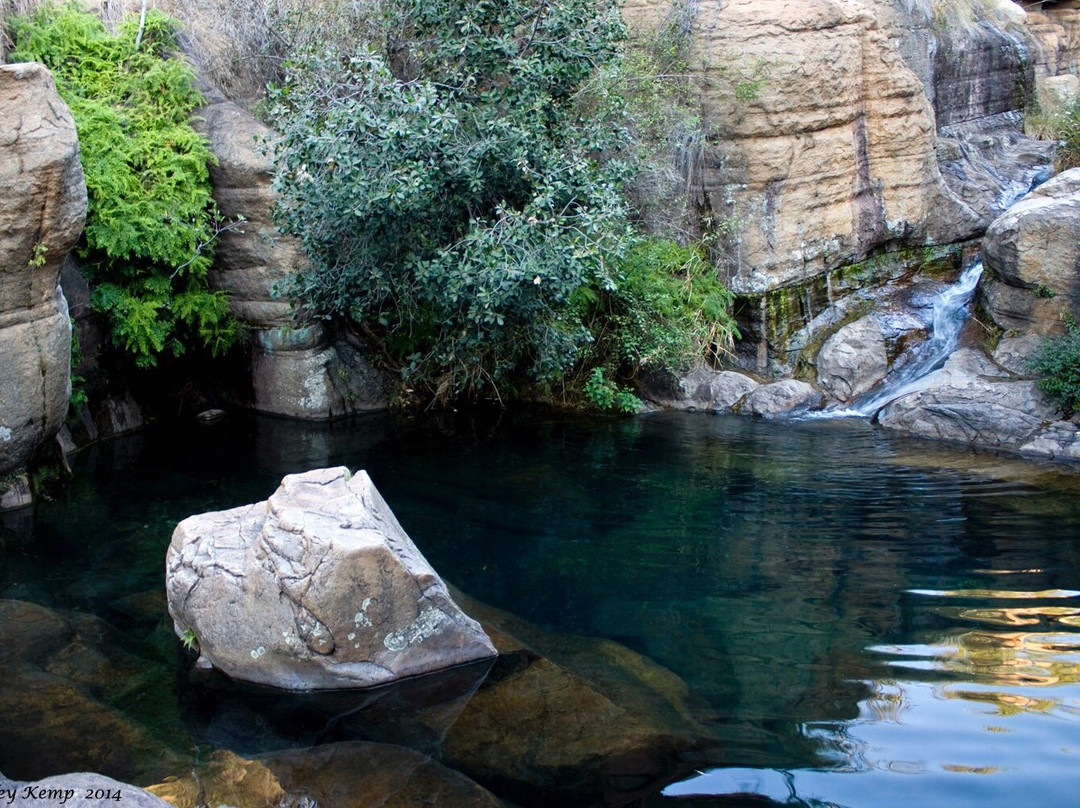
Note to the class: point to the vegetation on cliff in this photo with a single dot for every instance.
(460, 185)
(151, 219)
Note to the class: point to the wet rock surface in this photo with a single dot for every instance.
(779, 398)
(318, 587)
(853, 359)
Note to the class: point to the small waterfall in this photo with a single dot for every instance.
(951, 311)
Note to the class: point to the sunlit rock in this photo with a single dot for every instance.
(318, 587)
(1033, 254)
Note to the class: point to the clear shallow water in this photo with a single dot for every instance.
(860, 620)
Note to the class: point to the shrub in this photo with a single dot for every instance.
(151, 219)
(456, 186)
(1057, 362)
(666, 309)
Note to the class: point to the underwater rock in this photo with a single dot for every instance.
(59, 674)
(318, 587)
(85, 789)
(345, 775)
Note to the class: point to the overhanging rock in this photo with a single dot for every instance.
(318, 587)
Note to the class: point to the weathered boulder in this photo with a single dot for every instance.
(779, 398)
(42, 210)
(1014, 353)
(298, 370)
(701, 389)
(971, 401)
(85, 789)
(853, 359)
(1033, 254)
(318, 587)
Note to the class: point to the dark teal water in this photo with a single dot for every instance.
(859, 620)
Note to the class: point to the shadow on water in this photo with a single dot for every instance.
(695, 611)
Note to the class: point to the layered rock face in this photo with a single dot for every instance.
(868, 126)
(835, 153)
(297, 369)
(318, 587)
(42, 210)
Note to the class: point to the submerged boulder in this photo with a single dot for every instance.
(318, 587)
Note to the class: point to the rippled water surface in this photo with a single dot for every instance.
(854, 619)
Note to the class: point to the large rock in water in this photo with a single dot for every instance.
(42, 210)
(318, 587)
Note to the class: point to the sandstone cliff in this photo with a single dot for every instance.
(876, 125)
(42, 210)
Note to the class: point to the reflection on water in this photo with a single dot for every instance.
(829, 615)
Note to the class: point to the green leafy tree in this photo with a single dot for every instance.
(151, 219)
(455, 186)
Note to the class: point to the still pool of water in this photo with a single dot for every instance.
(847, 618)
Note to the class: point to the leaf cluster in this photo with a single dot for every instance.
(151, 218)
(462, 183)
(1057, 363)
(455, 187)
(666, 310)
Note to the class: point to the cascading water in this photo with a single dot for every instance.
(951, 311)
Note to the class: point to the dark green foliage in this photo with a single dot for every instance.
(460, 190)
(151, 218)
(454, 190)
(1057, 362)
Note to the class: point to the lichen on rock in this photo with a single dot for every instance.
(318, 587)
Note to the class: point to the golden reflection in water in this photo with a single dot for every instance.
(1001, 594)
(1015, 658)
(1023, 616)
(952, 767)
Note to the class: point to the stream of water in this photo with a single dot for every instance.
(833, 616)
